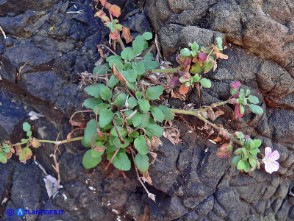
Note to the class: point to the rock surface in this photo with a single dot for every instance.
(50, 42)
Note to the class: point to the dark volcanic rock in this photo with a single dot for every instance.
(50, 42)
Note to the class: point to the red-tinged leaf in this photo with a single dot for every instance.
(103, 2)
(115, 10)
(220, 55)
(238, 111)
(183, 89)
(184, 61)
(114, 35)
(202, 56)
(101, 14)
(174, 82)
(126, 34)
(107, 5)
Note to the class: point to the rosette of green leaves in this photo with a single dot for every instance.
(245, 158)
(246, 99)
(125, 117)
(198, 67)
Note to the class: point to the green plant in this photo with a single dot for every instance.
(197, 61)
(127, 116)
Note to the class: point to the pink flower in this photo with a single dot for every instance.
(235, 85)
(270, 160)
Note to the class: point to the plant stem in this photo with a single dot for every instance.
(168, 70)
(62, 141)
(205, 108)
(121, 43)
(197, 113)
(108, 48)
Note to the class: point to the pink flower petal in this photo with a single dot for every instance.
(275, 155)
(271, 167)
(268, 151)
(236, 84)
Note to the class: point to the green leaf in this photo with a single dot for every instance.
(134, 134)
(90, 133)
(144, 105)
(130, 75)
(140, 120)
(98, 108)
(119, 144)
(121, 130)
(90, 161)
(256, 142)
(154, 93)
(236, 159)
(139, 45)
(94, 90)
(185, 52)
(141, 145)
(247, 166)
(219, 42)
(95, 153)
(122, 161)
(105, 93)
(26, 126)
(115, 59)
(256, 109)
(105, 117)
(142, 162)
(132, 86)
(242, 109)
(136, 119)
(100, 69)
(207, 66)
(3, 158)
(112, 81)
(138, 95)
(147, 35)
(168, 114)
(254, 152)
(241, 165)
(157, 114)
(252, 163)
(25, 154)
(206, 83)
(150, 65)
(253, 99)
(194, 46)
(120, 100)
(154, 130)
(132, 102)
(6, 148)
(148, 57)
(196, 69)
(91, 102)
(29, 133)
(128, 54)
(139, 67)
